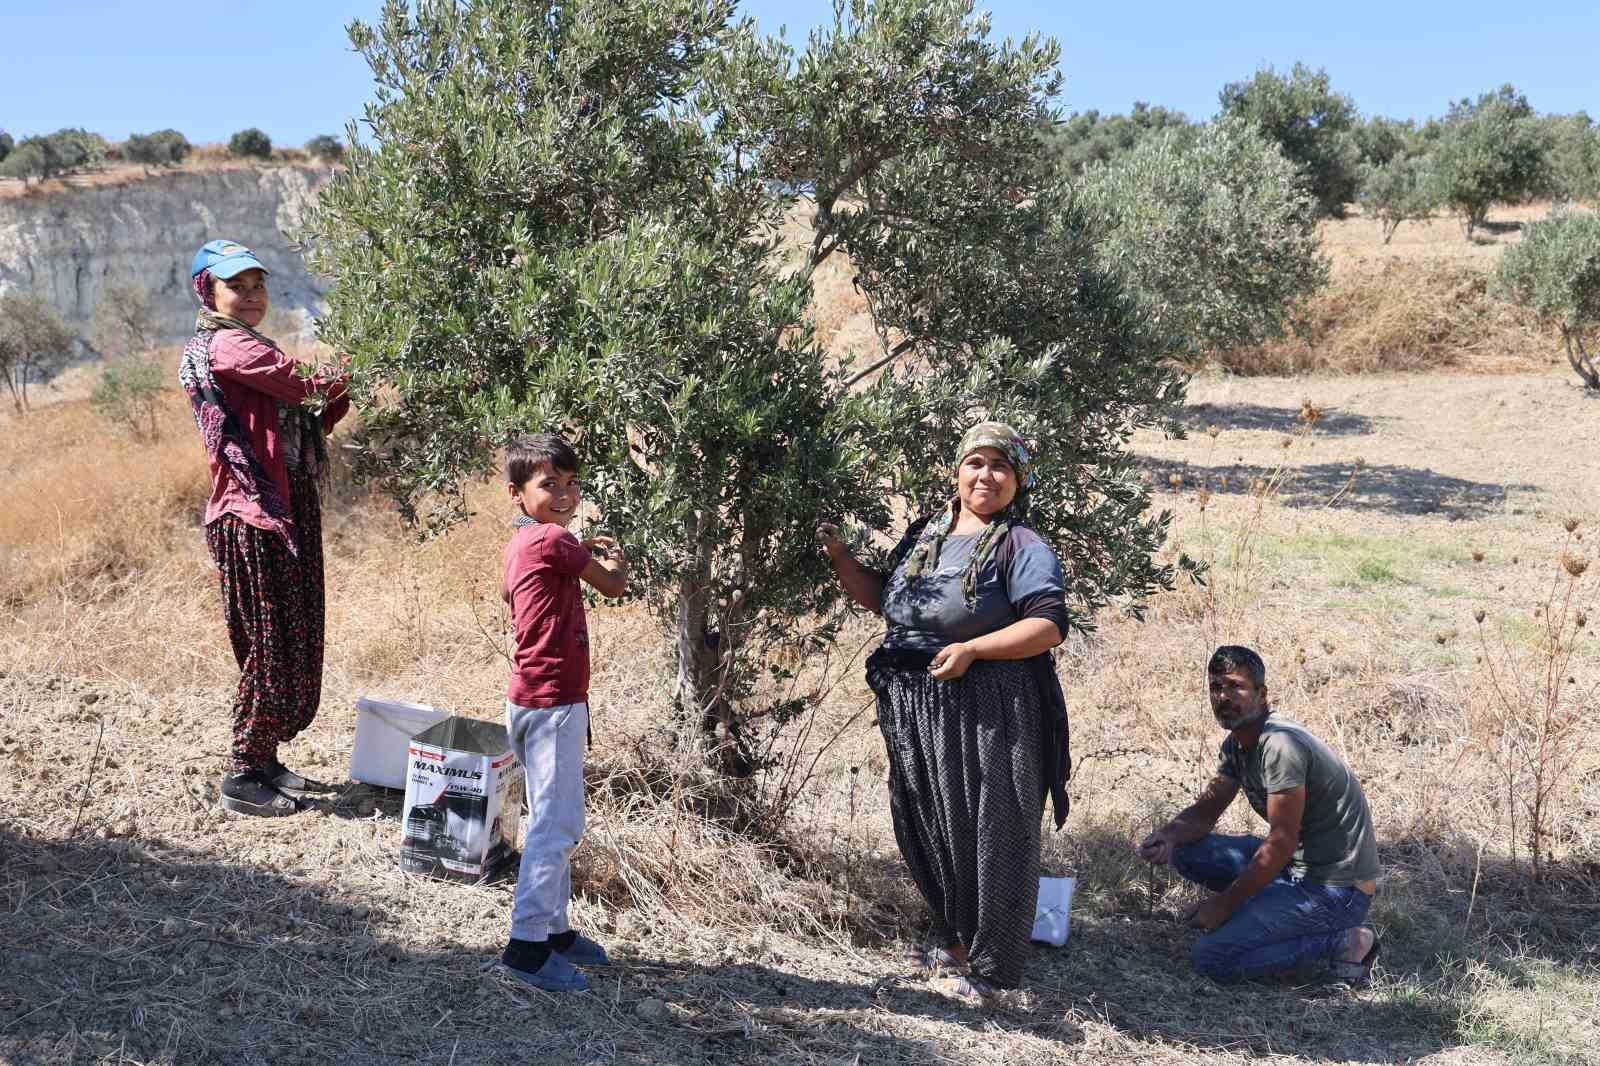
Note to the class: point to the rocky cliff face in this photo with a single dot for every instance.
(67, 246)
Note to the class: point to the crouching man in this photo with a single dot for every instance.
(1294, 902)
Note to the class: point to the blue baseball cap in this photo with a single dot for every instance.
(225, 259)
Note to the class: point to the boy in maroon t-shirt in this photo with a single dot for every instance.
(547, 708)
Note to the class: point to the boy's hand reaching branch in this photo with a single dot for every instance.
(608, 574)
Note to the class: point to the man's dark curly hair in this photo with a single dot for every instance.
(1231, 657)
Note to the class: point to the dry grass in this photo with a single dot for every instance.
(1407, 315)
(188, 935)
(166, 931)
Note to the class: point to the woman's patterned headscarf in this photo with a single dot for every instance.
(925, 556)
(224, 438)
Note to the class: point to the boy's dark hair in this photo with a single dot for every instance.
(1231, 657)
(526, 456)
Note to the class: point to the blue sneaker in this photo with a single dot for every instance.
(585, 952)
(556, 975)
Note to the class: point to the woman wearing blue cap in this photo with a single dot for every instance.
(264, 423)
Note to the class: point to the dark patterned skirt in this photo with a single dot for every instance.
(966, 798)
(274, 606)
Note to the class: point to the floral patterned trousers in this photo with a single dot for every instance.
(274, 606)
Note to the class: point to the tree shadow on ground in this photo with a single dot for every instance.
(1126, 964)
(1250, 416)
(1380, 487)
(139, 950)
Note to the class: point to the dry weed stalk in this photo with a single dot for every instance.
(1532, 717)
(1231, 564)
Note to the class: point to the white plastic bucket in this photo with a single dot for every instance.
(1051, 918)
(384, 729)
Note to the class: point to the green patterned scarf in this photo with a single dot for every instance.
(924, 557)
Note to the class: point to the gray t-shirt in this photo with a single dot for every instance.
(1337, 845)
(930, 612)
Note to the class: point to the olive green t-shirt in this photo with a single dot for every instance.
(1337, 845)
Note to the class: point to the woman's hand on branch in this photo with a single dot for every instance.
(829, 540)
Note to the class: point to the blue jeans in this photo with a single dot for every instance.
(1290, 925)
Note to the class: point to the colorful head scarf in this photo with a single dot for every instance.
(225, 440)
(925, 556)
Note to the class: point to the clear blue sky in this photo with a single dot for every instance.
(210, 68)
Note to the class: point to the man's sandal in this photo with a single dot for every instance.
(1356, 974)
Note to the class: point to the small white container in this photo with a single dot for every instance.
(384, 729)
(1054, 913)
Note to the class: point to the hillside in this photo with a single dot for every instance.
(68, 239)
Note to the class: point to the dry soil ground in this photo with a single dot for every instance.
(141, 924)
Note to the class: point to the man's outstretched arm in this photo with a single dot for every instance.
(1192, 823)
(1284, 812)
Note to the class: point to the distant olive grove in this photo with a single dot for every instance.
(1491, 150)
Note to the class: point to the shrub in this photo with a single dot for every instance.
(1555, 271)
(35, 343)
(1216, 237)
(505, 260)
(326, 147)
(1089, 137)
(50, 155)
(124, 321)
(161, 148)
(1398, 191)
(129, 395)
(250, 144)
(6, 144)
(1490, 151)
(1311, 124)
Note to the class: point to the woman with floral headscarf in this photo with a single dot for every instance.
(263, 423)
(970, 708)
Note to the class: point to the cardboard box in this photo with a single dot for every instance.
(463, 800)
(384, 729)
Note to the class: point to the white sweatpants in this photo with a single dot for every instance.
(549, 742)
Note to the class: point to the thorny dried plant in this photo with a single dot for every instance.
(1532, 718)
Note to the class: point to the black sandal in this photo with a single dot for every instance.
(249, 793)
(1357, 974)
(292, 784)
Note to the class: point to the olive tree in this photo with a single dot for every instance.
(568, 216)
(1493, 150)
(1555, 270)
(250, 143)
(1574, 157)
(1402, 190)
(1312, 124)
(1089, 137)
(35, 343)
(326, 147)
(1214, 235)
(163, 148)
